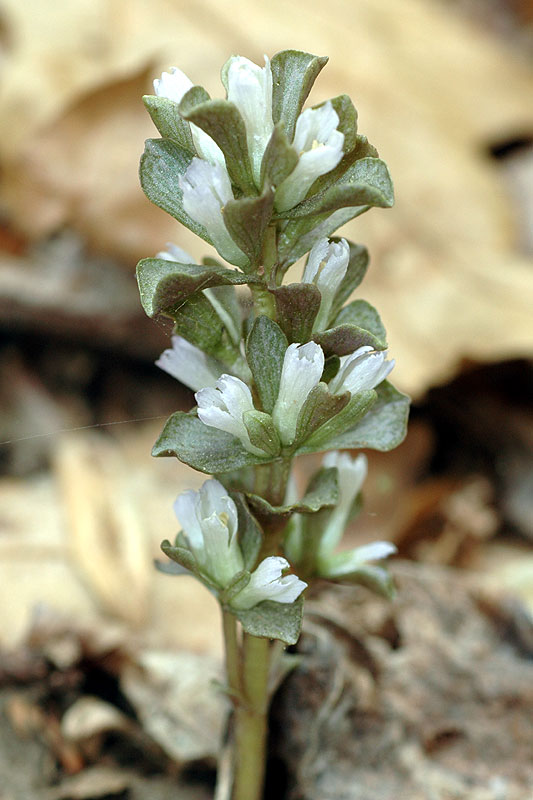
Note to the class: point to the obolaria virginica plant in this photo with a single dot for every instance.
(300, 369)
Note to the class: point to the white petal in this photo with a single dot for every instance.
(374, 551)
(326, 268)
(219, 418)
(216, 500)
(224, 406)
(270, 569)
(208, 518)
(311, 165)
(316, 125)
(364, 369)
(206, 190)
(185, 508)
(208, 397)
(317, 256)
(343, 563)
(284, 590)
(250, 88)
(351, 474)
(333, 269)
(319, 146)
(206, 147)
(302, 369)
(172, 85)
(223, 557)
(267, 583)
(214, 497)
(237, 395)
(189, 364)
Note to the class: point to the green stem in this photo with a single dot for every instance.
(233, 654)
(271, 483)
(270, 253)
(263, 301)
(251, 721)
(271, 480)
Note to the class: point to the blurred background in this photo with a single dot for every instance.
(105, 663)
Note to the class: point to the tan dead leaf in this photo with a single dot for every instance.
(34, 566)
(178, 703)
(108, 541)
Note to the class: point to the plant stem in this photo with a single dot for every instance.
(271, 480)
(270, 253)
(263, 301)
(233, 654)
(251, 721)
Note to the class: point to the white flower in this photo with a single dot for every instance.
(206, 190)
(190, 365)
(361, 370)
(326, 268)
(250, 89)
(319, 146)
(267, 583)
(339, 564)
(351, 474)
(302, 369)
(174, 85)
(209, 521)
(223, 408)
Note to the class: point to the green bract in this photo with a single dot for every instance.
(272, 620)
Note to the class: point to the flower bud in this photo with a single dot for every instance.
(302, 369)
(326, 268)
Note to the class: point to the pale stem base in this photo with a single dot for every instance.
(248, 667)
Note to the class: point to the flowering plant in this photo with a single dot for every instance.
(302, 369)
